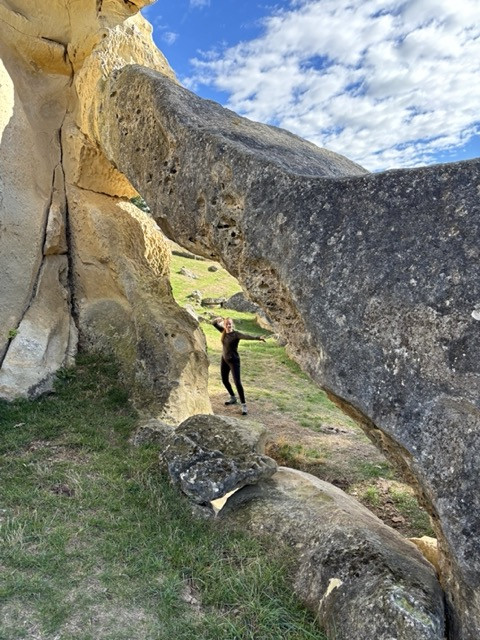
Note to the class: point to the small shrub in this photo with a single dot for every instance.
(140, 203)
(375, 470)
(372, 496)
(117, 397)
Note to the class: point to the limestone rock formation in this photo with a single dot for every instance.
(373, 280)
(358, 576)
(429, 548)
(152, 431)
(208, 457)
(34, 343)
(238, 302)
(78, 261)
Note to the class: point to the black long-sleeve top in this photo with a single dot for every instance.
(230, 342)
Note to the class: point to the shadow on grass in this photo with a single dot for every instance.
(95, 543)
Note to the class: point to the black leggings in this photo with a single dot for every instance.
(234, 367)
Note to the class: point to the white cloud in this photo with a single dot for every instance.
(169, 37)
(156, 20)
(199, 3)
(385, 82)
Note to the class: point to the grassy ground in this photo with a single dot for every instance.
(306, 430)
(267, 372)
(96, 545)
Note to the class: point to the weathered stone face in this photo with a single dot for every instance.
(75, 256)
(35, 317)
(129, 312)
(208, 457)
(373, 279)
(359, 577)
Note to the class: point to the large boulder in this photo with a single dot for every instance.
(37, 333)
(129, 311)
(76, 258)
(359, 577)
(372, 279)
(238, 302)
(208, 457)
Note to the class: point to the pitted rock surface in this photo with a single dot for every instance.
(208, 457)
(153, 432)
(232, 436)
(372, 279)
(78, 261)
(361, 578)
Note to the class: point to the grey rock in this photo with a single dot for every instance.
(151, 432)
(371, 278)
(232, 436)
(213, 302)
(192, 312)
(187, 254)
(196, 295)
(212, 268)
(238, 302)
(207, 457)
(187, 273)
(361, 578)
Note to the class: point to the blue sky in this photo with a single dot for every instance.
(388, 83)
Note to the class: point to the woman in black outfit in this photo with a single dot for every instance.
(231, 359)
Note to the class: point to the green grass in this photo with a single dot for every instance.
(95, 543)
(371, 496)
(407, 505)
(296, 455)
(218, 284)
(370, 470)
(268, 374)
(277, 384)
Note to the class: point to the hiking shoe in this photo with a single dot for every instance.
(232, 400)
(244, 410)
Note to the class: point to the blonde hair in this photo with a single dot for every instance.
(222, 337)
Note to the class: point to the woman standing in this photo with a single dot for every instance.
(230, 358)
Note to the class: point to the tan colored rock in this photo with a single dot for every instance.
(55, 233)
(30, 185)
(55, 36)
(57, 57)
(125, 306)
(45, 337)
(128, 43)
(22, 29)
(429, 548)
(86, 166)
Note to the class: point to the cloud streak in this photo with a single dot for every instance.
(199, 3)
(385, 82)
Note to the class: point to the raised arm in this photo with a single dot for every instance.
(218, 324)
(246, 336)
